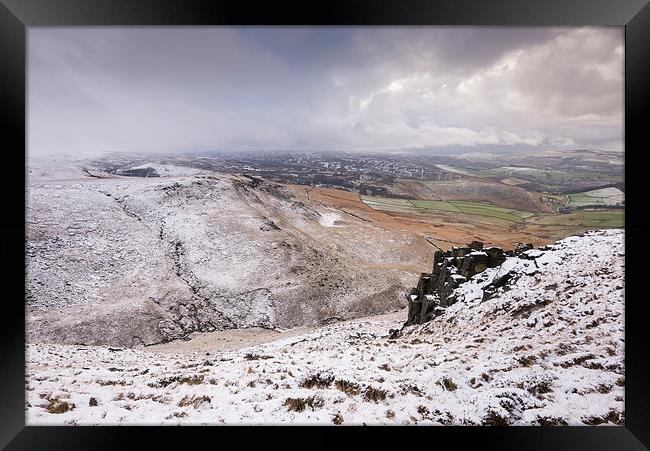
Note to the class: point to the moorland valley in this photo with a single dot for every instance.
(142, 269)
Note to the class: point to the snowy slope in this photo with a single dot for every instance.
(129, 261)
(547, 349)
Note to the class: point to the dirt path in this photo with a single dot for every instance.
(242, 338)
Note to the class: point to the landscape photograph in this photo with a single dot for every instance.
(333, 225)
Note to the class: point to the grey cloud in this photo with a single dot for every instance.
(176, 89)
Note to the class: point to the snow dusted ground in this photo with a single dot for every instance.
(126, 261)
(329, 219)
(548, 348)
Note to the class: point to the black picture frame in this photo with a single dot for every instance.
(17, 15)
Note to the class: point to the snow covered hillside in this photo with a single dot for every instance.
(547, 348)
(128, 261)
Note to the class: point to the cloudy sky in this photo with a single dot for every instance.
(324, 88)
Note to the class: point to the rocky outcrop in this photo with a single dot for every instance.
(435, 290)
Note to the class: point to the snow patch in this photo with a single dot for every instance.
(329, 219)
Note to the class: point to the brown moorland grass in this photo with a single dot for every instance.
(444, 229)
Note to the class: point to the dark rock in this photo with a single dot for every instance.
(527, 255)
(414, 307)
(476, 245)
(435, 291)
(438, 311)
(394, 334)
(460, 253)
(429, 303)
(92, 402)
(445, 292)
(500, 281)
(473, 263)
(438, 257)
(496, 256)
(490, 289)
(522, 247)
(451, 300)
(425, 284)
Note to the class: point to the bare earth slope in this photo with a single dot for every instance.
(132, 261)
(548, 348)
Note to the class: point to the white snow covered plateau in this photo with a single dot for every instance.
(546, 349)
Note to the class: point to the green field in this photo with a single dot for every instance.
(494, 212)
(582, 218)
(605, 196)
(471, 208)
(606, 218)
(388, 204)
(386, 201)
(435, 205)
